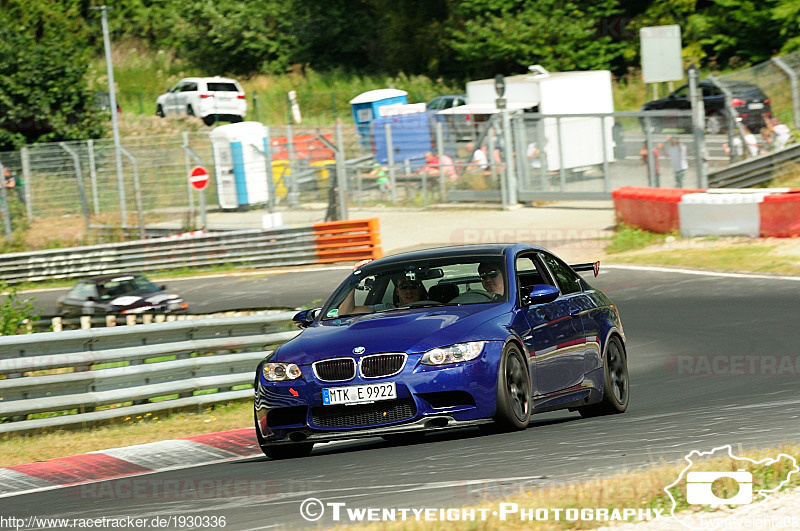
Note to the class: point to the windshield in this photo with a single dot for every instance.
(125, 285)
(432, 282)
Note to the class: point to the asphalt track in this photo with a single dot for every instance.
(713, 360)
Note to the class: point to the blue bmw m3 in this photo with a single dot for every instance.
(443, 338)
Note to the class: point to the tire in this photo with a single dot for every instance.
(715, 124)
(281, 451)
(616, 384)
(288, 451)
(189, 110)
(513, 390)
(209, 120)
(159, 111)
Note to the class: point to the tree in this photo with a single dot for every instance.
(497, 36)
(15, 313)
(236, 37)
(43, 64)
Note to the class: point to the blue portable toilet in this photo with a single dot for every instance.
(412, 136)
(365, 107)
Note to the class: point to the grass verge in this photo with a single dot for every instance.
(637, 489)
(19, 449)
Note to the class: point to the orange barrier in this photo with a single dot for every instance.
(653, 209)
(780, 215)
(347, 241)
(304, 147)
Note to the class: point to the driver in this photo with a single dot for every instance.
(492, 279)
(406, 291)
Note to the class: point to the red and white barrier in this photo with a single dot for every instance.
(719, 212)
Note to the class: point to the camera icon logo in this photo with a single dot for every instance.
(698, 488)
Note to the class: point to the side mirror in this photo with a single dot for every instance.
(539, 294)
(305, 318)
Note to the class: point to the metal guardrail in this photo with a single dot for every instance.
(349, 240)
(205, 355)
(755, 171)
(255, 248)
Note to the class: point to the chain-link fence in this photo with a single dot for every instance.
(777, 79)
(413, 159)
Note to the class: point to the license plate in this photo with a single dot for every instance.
(755, 106)
(359, 394)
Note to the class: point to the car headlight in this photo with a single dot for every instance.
(278, 372)
(454, 353)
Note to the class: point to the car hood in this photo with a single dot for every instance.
(412, 330)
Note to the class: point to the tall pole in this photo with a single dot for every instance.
(114, 124)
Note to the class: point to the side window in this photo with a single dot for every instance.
(527, 273)
(682, 92)
(190, 87)
(83, 291)
(568, 282)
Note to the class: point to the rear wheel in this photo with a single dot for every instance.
(513, 390)
(615, 383)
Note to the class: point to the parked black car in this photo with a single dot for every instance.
(118, 294)
(751, 105)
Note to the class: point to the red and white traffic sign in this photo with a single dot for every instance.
(198, 178)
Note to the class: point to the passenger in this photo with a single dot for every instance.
(492, 279)
(406, 291)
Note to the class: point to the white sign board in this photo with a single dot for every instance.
(661, 53)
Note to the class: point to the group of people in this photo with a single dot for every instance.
(678, 155)
(410, 290)
(774, 136)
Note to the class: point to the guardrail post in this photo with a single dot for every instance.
(793, 82)
(387, 127)
(440, 155)
(79, 178)
(137, 189)
(5, 211)
(341, 172)
(93, 176)
(25, 156)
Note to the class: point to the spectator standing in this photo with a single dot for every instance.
(679, 158)
(656, 165)
(750, 142)
(12, 181)
(781, 131)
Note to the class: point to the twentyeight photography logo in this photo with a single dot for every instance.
(726, 491)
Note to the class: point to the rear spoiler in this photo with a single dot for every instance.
(589, 266)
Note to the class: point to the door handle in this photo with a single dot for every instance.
(575, 313)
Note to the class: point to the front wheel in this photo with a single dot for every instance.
(288, 451)
(159, 111)
(189, 110)
(615, 383)
(282, 451)
(513, 390)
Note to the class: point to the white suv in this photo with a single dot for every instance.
(210, 98)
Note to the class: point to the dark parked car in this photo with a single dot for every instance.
(439, 339)
(461, 125)
(118, 294)
(751, 105)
